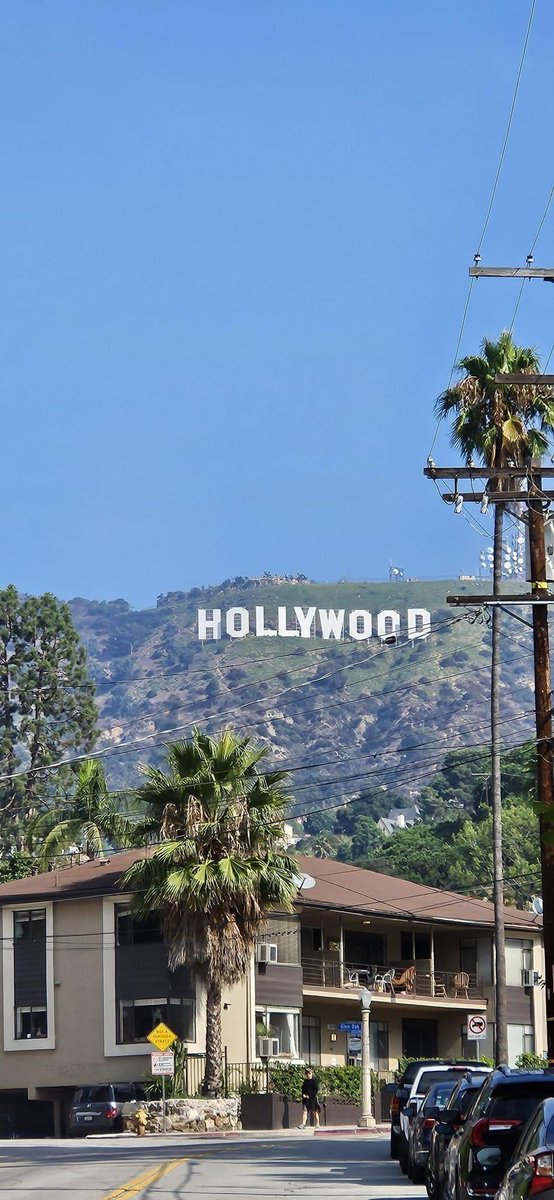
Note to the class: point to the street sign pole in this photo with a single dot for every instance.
(163, 1103)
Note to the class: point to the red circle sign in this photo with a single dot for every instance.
(477, 1025)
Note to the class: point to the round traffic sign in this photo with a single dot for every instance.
(476, 1025)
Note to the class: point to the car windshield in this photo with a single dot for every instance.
(99, 1094)
(518, 1102)
(430, 1077)
(438, 1095)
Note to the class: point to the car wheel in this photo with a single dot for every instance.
(403, 1156)
(417, 1174)
(393, 1145)
(430, 1186)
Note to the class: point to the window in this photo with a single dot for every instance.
(519, 958)
(283, 1024)
(468, 956)
(31, 1022)
(137, 931)
(414, 945)
(30, 925)
(521, 1040)
(137, 1018)
(311, 1039)
(379, 1043)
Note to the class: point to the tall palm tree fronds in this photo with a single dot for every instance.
(92, 819)
(218, 864)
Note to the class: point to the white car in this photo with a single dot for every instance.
(425, 1077)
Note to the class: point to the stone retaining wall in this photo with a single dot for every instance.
(200, 1116)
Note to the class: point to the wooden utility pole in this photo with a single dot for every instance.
(545, 760)
(534, 496)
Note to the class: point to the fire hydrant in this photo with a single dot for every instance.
(140, 1120)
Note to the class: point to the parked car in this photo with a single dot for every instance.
(419, 1131)
(495, 1123)
(97, 1108)
(531, 1172)
(425, 1077)
(445, 1131)
(401, 1092)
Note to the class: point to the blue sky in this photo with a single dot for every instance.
(235, 252)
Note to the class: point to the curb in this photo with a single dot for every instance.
(264, 1134)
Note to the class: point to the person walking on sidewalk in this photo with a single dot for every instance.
(310, 1102)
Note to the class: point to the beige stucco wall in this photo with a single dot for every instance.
(79, 962)
(334, 1053)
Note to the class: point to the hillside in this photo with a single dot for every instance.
(367, 713)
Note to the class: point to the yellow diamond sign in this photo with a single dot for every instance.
(162, 1037)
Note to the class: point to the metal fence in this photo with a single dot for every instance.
(239, 1077)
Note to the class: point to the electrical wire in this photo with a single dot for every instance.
(214, 716)
(508, 127)
(490, 205)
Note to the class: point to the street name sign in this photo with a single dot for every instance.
(354, 1027)
(162, 1037)
(163, 1064)
(476, 1027)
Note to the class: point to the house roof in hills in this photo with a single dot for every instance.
(337, 885)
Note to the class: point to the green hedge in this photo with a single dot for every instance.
(343, 1082)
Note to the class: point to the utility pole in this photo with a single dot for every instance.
(541, 655)
(534, 496)
(545, 761)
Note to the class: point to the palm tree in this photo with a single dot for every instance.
(504, 425)
(218, 864)
(92, 819)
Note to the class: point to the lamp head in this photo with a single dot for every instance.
(365, 999)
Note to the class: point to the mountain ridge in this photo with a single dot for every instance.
(361, 703)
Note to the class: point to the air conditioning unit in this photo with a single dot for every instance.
(266, 952)
(530, 979)
(268, 1047)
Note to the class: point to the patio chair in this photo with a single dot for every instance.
(352, 979)
(439, 986)
(384, 982)
(405, 982)
(461, 983)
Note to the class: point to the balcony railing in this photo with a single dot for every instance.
(393, 981)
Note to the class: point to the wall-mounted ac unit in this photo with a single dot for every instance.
(266, 952)
(268, 1047)
(530, 979)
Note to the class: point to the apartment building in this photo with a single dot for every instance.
(83, 981)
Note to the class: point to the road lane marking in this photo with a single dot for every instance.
(128, 1190)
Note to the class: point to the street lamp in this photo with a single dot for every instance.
(366, 1120)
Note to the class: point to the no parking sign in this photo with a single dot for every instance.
(476, 1027)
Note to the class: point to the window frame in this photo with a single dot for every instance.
(150, 1002)
(22, 1009)
(11, 1042)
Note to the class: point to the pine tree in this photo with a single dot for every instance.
(47, 709)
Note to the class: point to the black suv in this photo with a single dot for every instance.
(504, 1104)
(98, 1108)
(401, 1092)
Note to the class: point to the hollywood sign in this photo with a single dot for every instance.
(326, 623)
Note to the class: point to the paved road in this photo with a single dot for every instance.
(299, 1166)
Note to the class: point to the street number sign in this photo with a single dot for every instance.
(162, 1037)
(163, 1064)
(476, 1026)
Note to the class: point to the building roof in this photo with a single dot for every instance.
(342, 886)
(337, 886)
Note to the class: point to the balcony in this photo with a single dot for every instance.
(404, 982)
